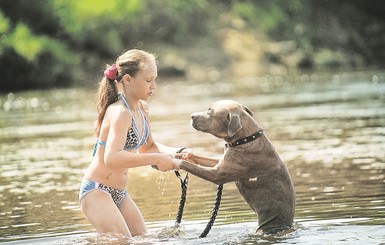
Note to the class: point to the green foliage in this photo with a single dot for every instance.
(76, 15)
(32, 60)
(4, 27)
(4, 24)
(51, 43)
(266, 18)
(45, 41)
(25, 43)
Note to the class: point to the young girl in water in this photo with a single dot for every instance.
(124, 141)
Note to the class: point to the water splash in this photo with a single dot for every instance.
(162, 181)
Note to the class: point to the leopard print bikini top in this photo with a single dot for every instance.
(133, 139)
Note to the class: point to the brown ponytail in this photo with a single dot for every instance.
(107, 95)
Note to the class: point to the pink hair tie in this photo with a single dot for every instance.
(110, 72)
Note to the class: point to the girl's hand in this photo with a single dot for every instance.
(166, 163)
(186, 156)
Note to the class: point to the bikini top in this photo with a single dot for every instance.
(133, 139)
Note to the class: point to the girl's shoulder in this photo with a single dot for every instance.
(117, 112)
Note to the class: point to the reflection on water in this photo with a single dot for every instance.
(329, 130)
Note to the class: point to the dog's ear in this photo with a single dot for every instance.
(234, 124)
(247, 110)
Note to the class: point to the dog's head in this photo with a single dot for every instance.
(222, 119)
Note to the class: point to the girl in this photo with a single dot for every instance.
(124, 141)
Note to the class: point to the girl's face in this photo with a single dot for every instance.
(142, 85)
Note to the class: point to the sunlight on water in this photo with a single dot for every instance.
(329, 130)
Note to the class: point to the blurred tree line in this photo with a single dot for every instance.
(61, 43)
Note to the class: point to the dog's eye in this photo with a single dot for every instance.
(228, 116)
(209, 111)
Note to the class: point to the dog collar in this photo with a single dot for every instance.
(245, 140)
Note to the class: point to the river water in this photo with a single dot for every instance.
(328, 128)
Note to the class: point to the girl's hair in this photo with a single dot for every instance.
(129, 63)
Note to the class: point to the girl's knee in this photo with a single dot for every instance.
(138, 229)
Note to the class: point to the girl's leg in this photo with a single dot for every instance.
(102, 213)
(133, 217)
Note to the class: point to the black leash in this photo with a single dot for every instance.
(184, 186)
(214, 212)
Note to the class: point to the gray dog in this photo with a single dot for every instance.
(249, 159)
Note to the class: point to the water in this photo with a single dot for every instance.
(329, 129)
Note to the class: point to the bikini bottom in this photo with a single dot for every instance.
(87, 186)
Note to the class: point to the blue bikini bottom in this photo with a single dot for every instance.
(88, 185)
